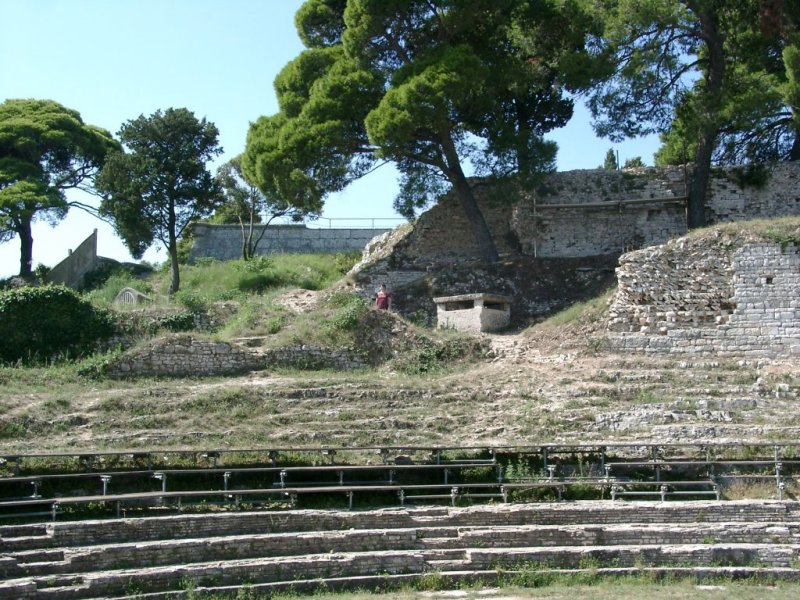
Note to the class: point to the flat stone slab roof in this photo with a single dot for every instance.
(479, 296)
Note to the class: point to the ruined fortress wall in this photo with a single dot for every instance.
(714, 298)
(224, 242)
(598, 212)
(571, 214)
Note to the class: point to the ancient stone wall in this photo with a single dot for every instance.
(589, 213)
(575, 215)
(183, 355)
(224, 242)
(713, 296)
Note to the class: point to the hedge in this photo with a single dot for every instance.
(40, 323)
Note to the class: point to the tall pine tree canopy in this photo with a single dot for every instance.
(161, 184)
(45, 150)
(717, 78)
(440, 88)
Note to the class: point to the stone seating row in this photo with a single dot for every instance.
(109, 558)
(89, 460)
(185, 499)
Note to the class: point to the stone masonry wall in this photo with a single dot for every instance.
(176, 356)
(224, 242)
(185, 356)
(715, 297)
(592, 213)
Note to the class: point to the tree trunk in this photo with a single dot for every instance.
(709, 128)
(480, 229)
(25, 249)
(245, 242)
(794, 153)
(175, 282)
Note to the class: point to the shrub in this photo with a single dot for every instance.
(183, 321)
(259, 283)
(38, 323)
(349, 311)
(193, 301)
(431, 355)
(101, 287)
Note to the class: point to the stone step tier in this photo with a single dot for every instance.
(160, 557)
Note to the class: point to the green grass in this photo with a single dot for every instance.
(780, 231)
(223, 280)
(554, 589)
(589, 311)
(211, 280)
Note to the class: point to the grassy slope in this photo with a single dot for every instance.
(554, 382)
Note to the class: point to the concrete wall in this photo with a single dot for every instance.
(80, 261)
(224, 242)
(473, 312)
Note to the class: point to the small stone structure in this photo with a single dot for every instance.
(184, 355)
(131, 296)
(473, 312)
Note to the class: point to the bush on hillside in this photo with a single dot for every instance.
(39, 323)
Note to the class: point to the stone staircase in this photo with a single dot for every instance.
(165, 557)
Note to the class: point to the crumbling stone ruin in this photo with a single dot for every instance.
(710, 294)
(576, 215)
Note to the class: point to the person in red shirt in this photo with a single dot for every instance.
(383, 299)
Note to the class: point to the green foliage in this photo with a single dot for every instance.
(191, 300)
(257, 264)
(714, 79)
(45, 149)
(428, 355)
(184, 321)
(350, 310)
(610, 163)
(39, 323)
(398, 81)
(259, 283)
(102, 285)
(94, 366)
(755, 175)
(634, 163)
(155, 190)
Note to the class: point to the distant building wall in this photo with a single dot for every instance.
(224, 242)
(78, 263)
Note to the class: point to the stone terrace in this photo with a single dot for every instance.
(286, 550)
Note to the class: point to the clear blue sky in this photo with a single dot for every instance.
(113, 60)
